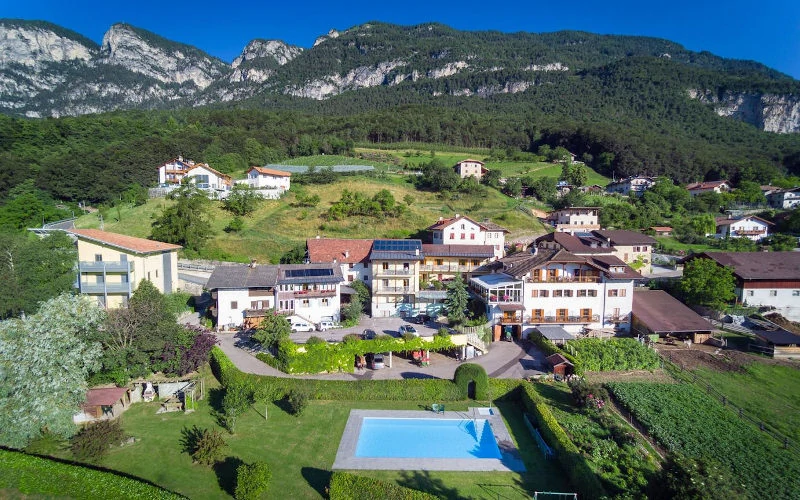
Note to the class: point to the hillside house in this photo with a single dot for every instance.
(574, 219)
(556, 287)
(111, 266)
(352, 256)
(176, 171)
(395, 266)
(784, 199)
(661, 230)
(708, 187)
(470, 168)
(750, 226)
(268, 182)
(173, 171)
(632, 247)
(461, 230)
(631, 185)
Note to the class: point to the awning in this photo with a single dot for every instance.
(511, 307)
(432, 294)
(554, 333)
(346, 290)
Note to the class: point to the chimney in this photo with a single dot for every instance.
(441, 219)
(457, 216)
(347, 254)
(317, 236)
(416, 251)
(253, 263)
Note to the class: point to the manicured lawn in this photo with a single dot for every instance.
(766, 391)
(300, 452)
(671, 245)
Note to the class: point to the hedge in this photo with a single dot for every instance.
(568, 455)
(345, 486)
(614, 354)
(467, 373)
(37, 476)
(550, 348)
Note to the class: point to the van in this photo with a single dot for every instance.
(325, 325)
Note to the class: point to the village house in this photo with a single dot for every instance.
(244, 293)
(470, 168)
(461, 230)
(176, 171)
(111, 266)
(352, 256)
(764, 278)
(631, 185)
(661, 230)
(395, 266)
(784, 199)
(554, 287)
(750, 226)
(574, 219)
(632, 247)
(708, 187)
(268, 182)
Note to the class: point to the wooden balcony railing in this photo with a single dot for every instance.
(394, 272)
(566, 279)
(617, 318)
(594, 318)
(510, 320)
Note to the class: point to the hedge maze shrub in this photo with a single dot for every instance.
(345, 486)
(252, 480)
(469, 373)
(93, 441)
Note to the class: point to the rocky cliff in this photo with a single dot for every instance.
(770, 112)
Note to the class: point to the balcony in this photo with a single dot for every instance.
(393, 289)
(565, 279)
(446, 268)
(103, 288)
(749, 232)
(511, 320)
(108, 267)
(617, 318)
(594, 318)
(307, 294)
(395, 272)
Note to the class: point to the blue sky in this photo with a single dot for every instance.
(767, 31)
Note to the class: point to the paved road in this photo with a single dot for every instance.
(504, 360)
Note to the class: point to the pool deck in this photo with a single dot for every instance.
(346, 459)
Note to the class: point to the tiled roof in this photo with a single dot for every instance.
(605, 262)
(130, 243)
(759, 265)
(270, 171)
(571, 243)
(485, 225)
(343, 250)
(662, 313)
(705, 185)
(207, 167)
(557, 359)
(661, 228)
(485, 251)
(727, 221)
(104, 396)
(243, 276)
(470, 160)
(625, 238)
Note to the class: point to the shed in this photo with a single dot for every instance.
(657, 312)
(555, 334)
(783, 343)
(561, 365)
(106, 402)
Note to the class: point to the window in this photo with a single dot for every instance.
(558, 293)
(561, 314)
(156, 273)
(385, 266)
(148, 275)
(551, 274)
(325, 302)
(234, 304)
(534, 293)
(350, 266)
(462, 227)
(544, 293)
(537, 314)
(463, 236)
(385, 282)
(123, 257)
(452, 236)
(586, 314)
(567, 293)
(304, 303)
(98, 257)
(623, 292)
(100, 279)
(592, 293)
(773, 293)
(476, 262)
(350, 278)
(582, 293)
(438, 262)
(537, 275)
(472, 236)
(795, 293)
(462, 262)
(613, 292)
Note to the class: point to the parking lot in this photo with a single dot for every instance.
(381, 326)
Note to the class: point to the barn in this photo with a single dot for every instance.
(657, 312)
(780, 343)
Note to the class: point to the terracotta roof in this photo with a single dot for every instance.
(130, 243)
(557, 359)
(759, 265)
(484, 251)
(104, 397)
(727, 221)
(345, 251)
(485, 225)
(705, 185)
(662, 313)
(625, 238)
(470, 160)
(269, 171)
(207, 167)
(661, 228)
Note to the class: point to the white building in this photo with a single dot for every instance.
(557, 288)
(461, 230)
(575, 219)
(750, 226)
(785, 198)
(636, 185)
(708, 187)
(268, 182)
(470, 168)
(178, 170)
(352, 256)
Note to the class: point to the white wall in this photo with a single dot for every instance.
(777, 297)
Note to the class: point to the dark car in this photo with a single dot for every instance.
(368, 334)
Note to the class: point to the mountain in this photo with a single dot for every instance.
(46, 70)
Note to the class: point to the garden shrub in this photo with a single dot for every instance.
(614, 354)
(93, 441)
(469, 372)
(297, 400)
(314, 340)
(208, 447)
(236, 400)
(252, 480)
(346, 486)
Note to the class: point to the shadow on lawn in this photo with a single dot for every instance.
(318, 479)
(422, 480)
(226, 473)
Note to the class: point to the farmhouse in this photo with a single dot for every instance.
(470, 168)
(351, 255)
(631, 185)
(175, 171)
(268, 182)
(750, 227)
(574, 219)
(630, 246)
(461, 230)
(655, 312)
(784, 198)
(111, 266)
(708, 187)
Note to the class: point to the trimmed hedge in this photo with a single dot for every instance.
(467, 373)
(37, 476)
(581, 476)
(550, 348)
(345, 486)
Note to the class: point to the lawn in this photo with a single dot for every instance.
(769, 392)
(671, 245)
(300, 451)
(277, 227)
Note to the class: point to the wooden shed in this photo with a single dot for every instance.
(657, 312)
(561, 365)
(780, 343)
(106, 402)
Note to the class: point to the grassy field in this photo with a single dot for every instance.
(671, 245)
(301, 451)
(277, 226)
(769, 392)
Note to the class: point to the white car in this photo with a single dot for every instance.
(302, 326)
(326, 325)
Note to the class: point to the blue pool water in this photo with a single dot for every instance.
(426, 438)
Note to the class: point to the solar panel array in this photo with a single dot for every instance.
(308, 273)
(396, 245)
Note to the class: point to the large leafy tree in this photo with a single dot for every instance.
(187, 221)
(33, 270)
(44, 362)
(242, 200)
(273, 329)
(706, 283)
(456, 301)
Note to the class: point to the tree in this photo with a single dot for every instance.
(45, 361)
(456, 301)
(296, 255)
(578, 175)
(242, 200)
(273, 328)
(782, 242)
(352, 312)
(187, 221)
(252, 481)
(706, 283)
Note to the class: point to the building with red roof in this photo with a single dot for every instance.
(461, 230)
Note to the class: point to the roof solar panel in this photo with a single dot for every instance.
(396, 245)
(308, 273)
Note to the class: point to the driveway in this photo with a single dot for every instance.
(504, 359)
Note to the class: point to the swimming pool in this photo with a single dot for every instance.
(426, 438)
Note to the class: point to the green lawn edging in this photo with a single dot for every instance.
(345, 486)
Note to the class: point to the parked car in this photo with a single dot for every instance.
(375, 361)
(302, 326)
(408, 329)
(326, 325)
(368, 334)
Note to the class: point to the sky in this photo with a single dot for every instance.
(767, 31)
